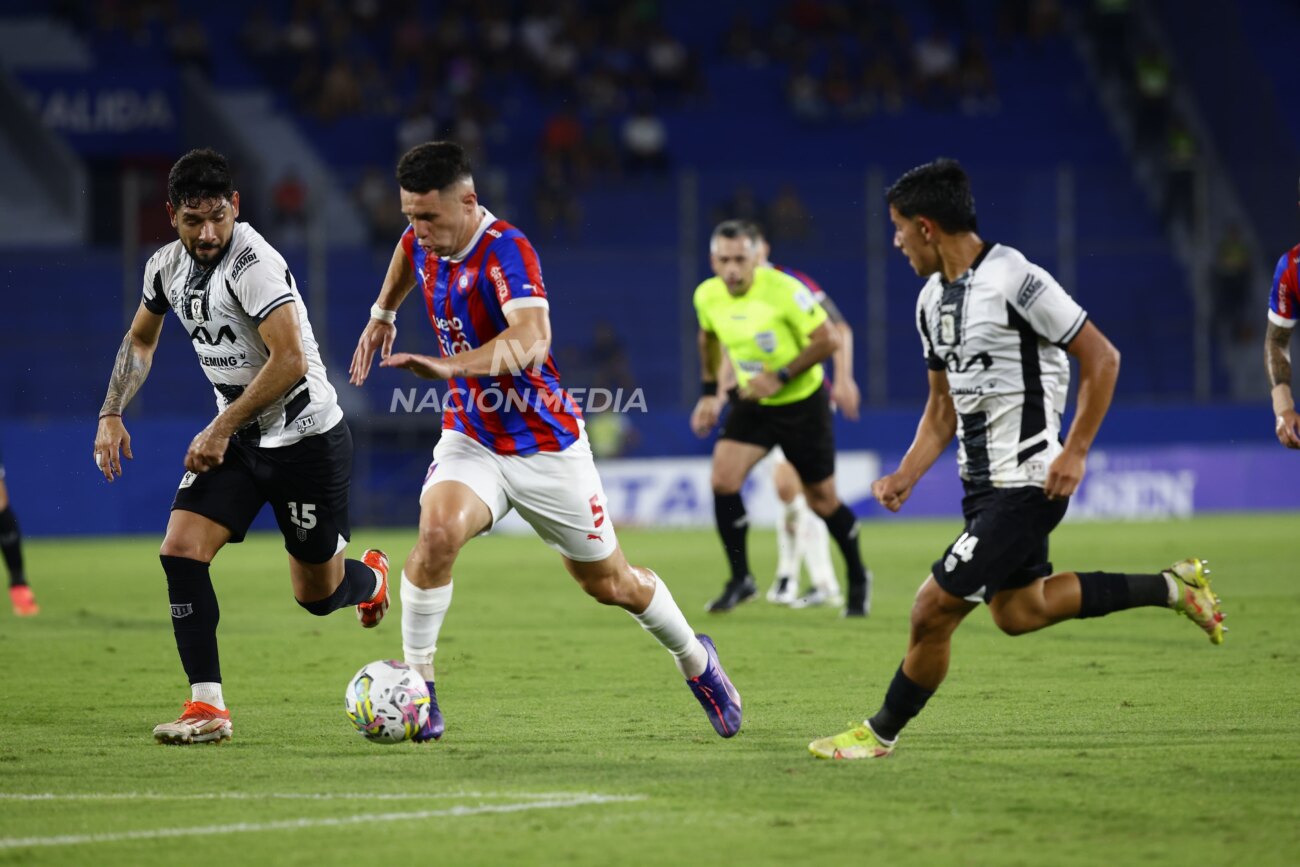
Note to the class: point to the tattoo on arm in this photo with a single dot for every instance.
(129, 372)
(1277, 355)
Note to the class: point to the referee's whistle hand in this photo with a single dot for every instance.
(705, 415)
(763, 385)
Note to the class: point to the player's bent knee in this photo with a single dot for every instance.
(186, 548)
(440, 538)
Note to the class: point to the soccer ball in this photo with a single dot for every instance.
(387, 702)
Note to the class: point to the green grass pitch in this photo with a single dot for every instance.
(1128, 740)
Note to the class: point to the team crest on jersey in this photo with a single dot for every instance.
(464, 281)
(196, 309)
(766, 340)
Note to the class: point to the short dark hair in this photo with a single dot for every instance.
(737, 229)
(200, 175)
(434, 165)
(939, 190)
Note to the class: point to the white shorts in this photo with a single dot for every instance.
(559, 494)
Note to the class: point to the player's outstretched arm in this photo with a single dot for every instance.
(1277, 357)
(286, 365)
(1098, 372)
(936, 429)
(379, 333)
(130, 369)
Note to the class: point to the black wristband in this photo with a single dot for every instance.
(708, 389)
(784, 374)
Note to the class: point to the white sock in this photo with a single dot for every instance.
(208, 693)
(665, 621)
(422, 615)
(789, 544)
(1174, 592)
(817, 552)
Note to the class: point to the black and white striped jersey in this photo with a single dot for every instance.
(1000, 331)
(221, 308)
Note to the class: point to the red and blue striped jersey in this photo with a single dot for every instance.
(818, 293)
(468, 297)
(1284, 300)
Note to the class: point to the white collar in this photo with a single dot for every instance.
(485, 220)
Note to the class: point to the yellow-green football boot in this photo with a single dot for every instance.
(859, 742)
(1195, 599)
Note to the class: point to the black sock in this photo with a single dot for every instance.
(1103, 592)
(194, 617)
(11, 545)
(733, 527)
(357, 586)
(843, 527)
(904, 699)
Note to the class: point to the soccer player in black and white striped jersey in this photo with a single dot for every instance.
(996, 330)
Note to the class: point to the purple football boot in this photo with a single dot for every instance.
(433, 726)
(715, 693)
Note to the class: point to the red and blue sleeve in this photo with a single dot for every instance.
(1285, 295)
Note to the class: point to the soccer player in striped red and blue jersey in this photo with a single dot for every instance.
(512, 437)
(1283, 310)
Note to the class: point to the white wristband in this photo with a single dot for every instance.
(377, 312)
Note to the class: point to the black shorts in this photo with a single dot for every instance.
(1004, 545)
(306, 484)
(802, 429)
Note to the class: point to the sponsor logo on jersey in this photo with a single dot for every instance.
(202, 335)
(305, 423)
(499, 280)
(246, 258)
(218, 361)
(766, 341)
(182, 610)
(955, 364)
(1029, 292)
(493, 232)
(188, 479)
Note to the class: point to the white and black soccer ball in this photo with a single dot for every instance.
(387, 702)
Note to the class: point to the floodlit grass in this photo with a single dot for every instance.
(1118, 741)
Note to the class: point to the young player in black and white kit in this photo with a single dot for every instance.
(996, 330)
(279, 435)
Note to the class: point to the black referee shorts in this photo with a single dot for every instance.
(306, 484)
(802, 429)
(1004, 543)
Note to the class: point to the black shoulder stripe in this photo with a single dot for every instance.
(157, 304)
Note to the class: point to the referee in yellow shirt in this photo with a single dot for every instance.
(777, 336)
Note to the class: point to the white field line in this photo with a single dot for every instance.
(282, 796)
(299, 824)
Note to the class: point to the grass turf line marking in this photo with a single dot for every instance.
(298, 824)
(285, 796)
